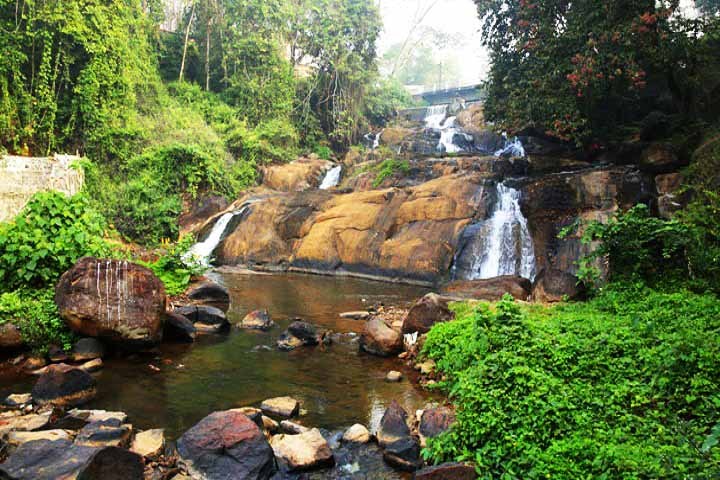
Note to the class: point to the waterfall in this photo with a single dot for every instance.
(500, 245)
(372, 140)
(332, 178)
(376, 141)
(512, 148)
(202, 251)
(435, 115)
(447, 136)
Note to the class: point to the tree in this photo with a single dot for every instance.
(586, 71)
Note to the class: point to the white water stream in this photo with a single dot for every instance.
(332, 178)
(201, 252)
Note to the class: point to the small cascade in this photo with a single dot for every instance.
(202, 251)
(372, 140)
(435, 116)
(500, 245)
(512, 148)
(447, 136)
(332, 178)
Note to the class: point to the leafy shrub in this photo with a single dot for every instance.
(272, 141)
(50, 234)
(173, 269)
(624, 386)
(323, 151)
(388, 168)
(638, 246)
(35, 314)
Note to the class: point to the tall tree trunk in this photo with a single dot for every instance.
(185, 45)
(207, 55)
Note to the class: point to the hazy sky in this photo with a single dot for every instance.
(448, 16)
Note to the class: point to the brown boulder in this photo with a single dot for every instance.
(426, 312)
(64, 385)
(10, 338)
(447, 471)
(660, 158)
(435, 421)
(257, 320)
(303, 451)
(210, 293)
(400, 448)
(227, 445)
(552, 285)
(380, 339)
(114, 300)
(302, 174)
(491, 289)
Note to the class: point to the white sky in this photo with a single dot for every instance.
(451, 16)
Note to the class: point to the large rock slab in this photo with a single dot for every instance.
(426, 312)
(304, 451)
(114, 300)
(299, 175)
(63, 385)
(378, 338)
(491, 289)
(46, 460)
(227, 445)
(105, 433)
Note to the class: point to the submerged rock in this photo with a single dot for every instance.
(227, 445)
(379, 339)
(304, 451)
(88, 349)
(281, 406)
(426, 312)
(210, 293)
(64, 385)
(114, 300)
(178, 328)
(257, 320)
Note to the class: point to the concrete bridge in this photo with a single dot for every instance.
(469, 93)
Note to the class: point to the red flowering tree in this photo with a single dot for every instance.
(587, 71)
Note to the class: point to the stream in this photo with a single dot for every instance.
(337, 385)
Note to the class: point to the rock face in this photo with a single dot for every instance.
(491, 289)
(302, 174)
(400, 448)
(660, 158)
(304, 451)
(64, 385)
(257, 320)
(227, 445)
(378, 338)
(425, 313)
(114, 300)
(553, 285)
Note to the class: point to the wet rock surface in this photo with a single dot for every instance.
(114, 300)
(64, 385)
(400, 448)
(379, 338)
(425, 313)
(257, 320)
(178, 328)
(227, 445)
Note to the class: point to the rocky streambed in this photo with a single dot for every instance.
(162, 411)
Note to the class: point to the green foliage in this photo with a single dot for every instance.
(50, 234)
(173, 269)
(589, 72)
(35, 314)
(660, 252)
(384, 101)
(389, 168)
(624, 386)
(323, 151)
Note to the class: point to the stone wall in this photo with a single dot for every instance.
(21, 177)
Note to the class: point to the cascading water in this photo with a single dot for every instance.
(435, 116)
(372, 140)
(332, 178)
(201, 252)
(500, 245)
(512, 148)
(436, 119)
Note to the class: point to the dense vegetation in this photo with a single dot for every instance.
(596, 73)
(623, 386)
